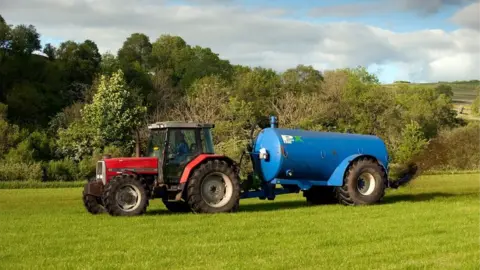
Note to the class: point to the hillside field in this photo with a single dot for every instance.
(433, 223)
(464, 92)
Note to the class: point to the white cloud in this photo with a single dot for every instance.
(468, 16)
(253, 37)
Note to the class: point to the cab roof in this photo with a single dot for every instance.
(178, 124)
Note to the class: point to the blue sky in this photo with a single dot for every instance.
(414, 40)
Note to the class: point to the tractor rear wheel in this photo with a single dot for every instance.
(364, 183)
(320, 195)
(214, 188)
(177, 207)
(125, 195)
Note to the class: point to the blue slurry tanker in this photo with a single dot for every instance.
(182, 169)
(326, 166)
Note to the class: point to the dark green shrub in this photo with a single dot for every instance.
(20, 172)
(62, 170)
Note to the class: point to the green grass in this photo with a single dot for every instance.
(432, 224)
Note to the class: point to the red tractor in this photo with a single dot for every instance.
(181, 168)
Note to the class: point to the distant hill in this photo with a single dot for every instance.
(464, 92)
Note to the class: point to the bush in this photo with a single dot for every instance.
(20, 172)
(456, 149)
(62, 170)
(411, 144)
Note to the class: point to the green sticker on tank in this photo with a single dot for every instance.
(288, 139)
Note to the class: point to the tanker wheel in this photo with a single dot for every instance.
(364, 183)
(320, 195)
(177, 207)
(124, 195)
(214, 188)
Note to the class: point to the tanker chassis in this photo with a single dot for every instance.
(182, 169)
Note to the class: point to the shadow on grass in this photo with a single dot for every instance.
(272, 206)
(425, 197)
(284, 205)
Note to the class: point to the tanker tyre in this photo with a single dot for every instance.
(214, 187)
(125, 195)
(320, 195)
(363, 184)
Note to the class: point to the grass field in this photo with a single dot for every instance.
(433, 223)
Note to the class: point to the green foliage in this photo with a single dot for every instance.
(444, 89)
(455, 149)
(62, 170)
(36, 147)
(20, 171)
(77, 141)
(411, 144)
(114, 113)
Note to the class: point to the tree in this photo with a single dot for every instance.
(134, 59)
(302, 79)
(444, 89)
(50, 51)
(79, 64)
(24, 40)
(115, 113)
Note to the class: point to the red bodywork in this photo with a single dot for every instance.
(142, 165)
(194, 163)
(149, 165)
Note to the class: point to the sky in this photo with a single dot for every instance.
(414, 40)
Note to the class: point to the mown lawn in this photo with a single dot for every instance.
(431, 224)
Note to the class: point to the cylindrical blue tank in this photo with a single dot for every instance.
(310, 155)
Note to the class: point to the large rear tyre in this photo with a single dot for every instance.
(320, 195)
(124, 195)
(364, 183)
(214, 188)
(177, 207)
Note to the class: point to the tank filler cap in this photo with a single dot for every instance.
(263, 154)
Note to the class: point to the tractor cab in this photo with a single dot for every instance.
(175, 144)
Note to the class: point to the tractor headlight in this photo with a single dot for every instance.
(100, 172)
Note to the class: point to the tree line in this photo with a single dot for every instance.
(61, 111)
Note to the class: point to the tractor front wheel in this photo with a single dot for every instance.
(92, 203)
(364, 183)
(125, 195)
(214, 188)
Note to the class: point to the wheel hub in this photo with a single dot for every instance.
(366, 184)
(128, 197)
(216, 189)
